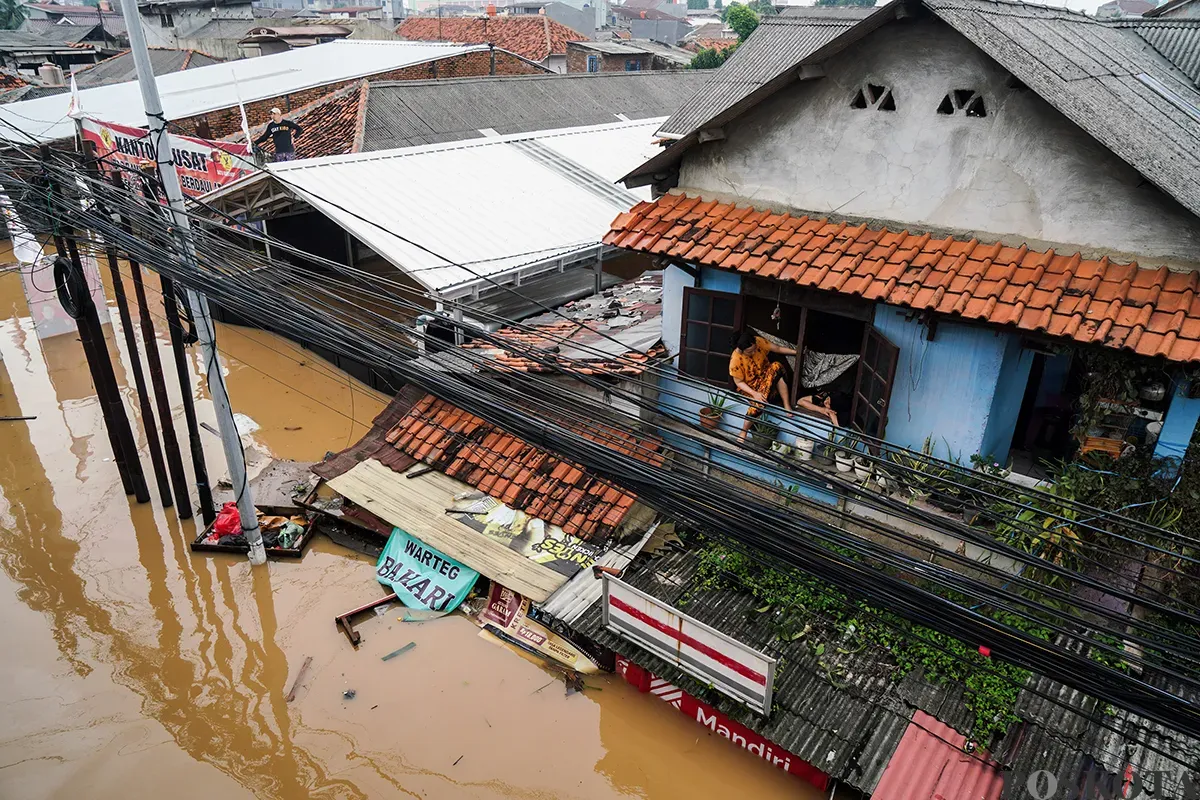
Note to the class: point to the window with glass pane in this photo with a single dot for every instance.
(709, 322)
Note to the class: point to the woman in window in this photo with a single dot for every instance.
(762, 380)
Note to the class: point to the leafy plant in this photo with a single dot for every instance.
(717, 401)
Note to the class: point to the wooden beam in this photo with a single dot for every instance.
(418, 506)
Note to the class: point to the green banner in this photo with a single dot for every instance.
(421, 576)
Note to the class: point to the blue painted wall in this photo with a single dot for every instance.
(944, 388)
(1006, 402)
(683, 401)
(1180, 423)
(675, 281)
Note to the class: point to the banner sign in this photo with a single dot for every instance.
(699, 650)
(202, 165)
(507, 613)
(421, 576)
(541, 543)
(718, 723)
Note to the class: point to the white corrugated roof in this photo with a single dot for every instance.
(196, 91)
(493, 206)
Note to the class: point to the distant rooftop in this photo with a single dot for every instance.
(197, 91)
(402, 114)
(120, 68)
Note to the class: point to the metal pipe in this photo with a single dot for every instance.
(235, 456)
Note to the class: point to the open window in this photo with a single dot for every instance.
(710, 320)
(844, 356)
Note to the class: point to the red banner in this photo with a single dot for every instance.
(202, 165)
(718, 723)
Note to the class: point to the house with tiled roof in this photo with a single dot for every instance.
(537, 38)
(978, 221)
(977, 208)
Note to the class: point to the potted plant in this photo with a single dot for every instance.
(862, 469)
(710, 415)
(842, 455)
(763, 433)
(804, 448)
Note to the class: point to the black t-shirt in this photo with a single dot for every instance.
(280, 133)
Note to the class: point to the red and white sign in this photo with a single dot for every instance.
(720, 724)
(731, 667)
(202, 165)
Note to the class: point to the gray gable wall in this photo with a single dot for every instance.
(1023, 173)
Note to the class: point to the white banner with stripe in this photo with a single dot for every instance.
(698, 649)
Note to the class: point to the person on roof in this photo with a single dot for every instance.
(280, 131)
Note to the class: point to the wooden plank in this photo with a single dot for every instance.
(417, 507)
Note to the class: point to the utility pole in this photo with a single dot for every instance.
(235, 456)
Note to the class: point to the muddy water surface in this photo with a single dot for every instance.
(135, 668)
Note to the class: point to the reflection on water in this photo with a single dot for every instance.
(136, 668)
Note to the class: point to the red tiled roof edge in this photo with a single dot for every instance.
(525, 477)
(1152, 312)
(342, 462)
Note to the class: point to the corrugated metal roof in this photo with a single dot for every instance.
(1064, 737)
(930, 762)
(492, 205)
(848, 731)
(777, 45)
(408, 113)
(196, 91)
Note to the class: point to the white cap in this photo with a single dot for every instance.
(276, 111)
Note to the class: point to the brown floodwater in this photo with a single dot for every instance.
(135, 668)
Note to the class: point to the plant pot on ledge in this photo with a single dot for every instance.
(843, 460)
(862, 469)
(763, 434)
(710, 417)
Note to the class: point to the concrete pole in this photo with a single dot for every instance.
(235, 456)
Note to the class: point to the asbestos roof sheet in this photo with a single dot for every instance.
(849, 732)
(1069, 731)
(1152, 312)
(120, 67)
(487, 207)
(1122, 94)
(407, 113)
(1177, 40)
(777, 44)
(218, 86)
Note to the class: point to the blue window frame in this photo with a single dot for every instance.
(633, 65)
(593, 63)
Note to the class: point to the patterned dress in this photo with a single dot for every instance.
(756, 371)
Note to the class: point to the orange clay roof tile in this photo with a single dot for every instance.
(1153, 312)
(516, 473)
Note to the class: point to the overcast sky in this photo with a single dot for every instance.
(1088, 6)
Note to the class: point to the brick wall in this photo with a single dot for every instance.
(577, 60)
(228, 121)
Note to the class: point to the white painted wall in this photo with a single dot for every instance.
(1024, 172)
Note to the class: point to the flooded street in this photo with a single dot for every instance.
(136, 668)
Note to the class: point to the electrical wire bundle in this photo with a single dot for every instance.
(345, 316)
